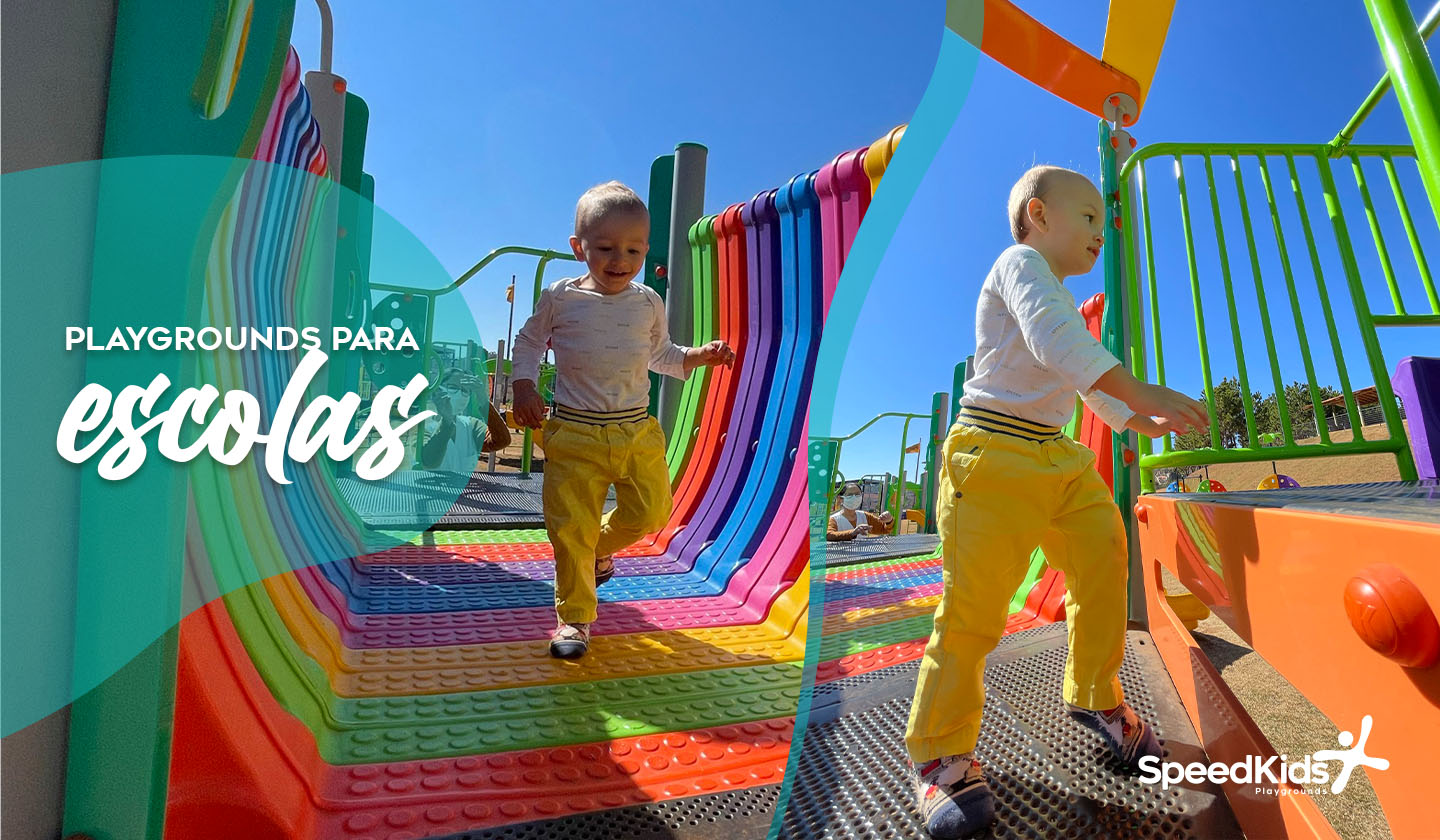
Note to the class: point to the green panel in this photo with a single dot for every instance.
(165, 61)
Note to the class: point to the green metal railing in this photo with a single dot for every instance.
(1284, 158)
(904, 444)
(545, 254)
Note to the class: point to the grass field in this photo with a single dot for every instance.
(1314, 472)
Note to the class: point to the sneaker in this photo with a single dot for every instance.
(570, 641)
(955, 800)
(1128, 737)
(604, 569)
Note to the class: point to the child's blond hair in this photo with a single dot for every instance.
(1035, 183)
(601, 200)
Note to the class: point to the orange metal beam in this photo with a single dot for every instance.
(1024, 45)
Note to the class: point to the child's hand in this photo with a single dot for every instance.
(1172, 410)
(1147, 426)
(529, 405)
(716, 352)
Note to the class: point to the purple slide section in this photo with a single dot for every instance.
(1417, 384)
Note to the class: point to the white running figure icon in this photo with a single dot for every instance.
(1353, 757)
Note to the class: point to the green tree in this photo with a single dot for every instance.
(1230, 415)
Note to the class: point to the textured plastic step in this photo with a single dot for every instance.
(866, 661)
(908, 563)
(871, 659)
(447, 796)
(428, 670)
(406, 728)
(834, 646)
(882, 598)
(844, 590)
(238, 751)
(460, 720)
(1044, 604)
(438, 553)
(445, 571)
(371, 630)
(876, 616)
(869, 549)
(515, 591)
(1051, 776)
(461, 537)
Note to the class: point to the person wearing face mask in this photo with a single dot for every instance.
(454, 441)
(850, 521)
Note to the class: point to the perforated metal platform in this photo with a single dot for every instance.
(1052, 777)
(866, 549)
(1414, 501)
(733, 815)
(419, 500)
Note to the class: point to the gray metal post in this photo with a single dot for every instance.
(686, 206)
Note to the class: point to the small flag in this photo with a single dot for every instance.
(912, 450)
(510, 294)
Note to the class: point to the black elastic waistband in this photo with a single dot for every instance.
(599, 418)
(1004, 424)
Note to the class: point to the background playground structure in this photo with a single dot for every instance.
(1281, 261)
(407, 691)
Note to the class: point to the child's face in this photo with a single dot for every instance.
(1068, 226)
(614, 250)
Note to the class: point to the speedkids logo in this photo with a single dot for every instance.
(1271, 775)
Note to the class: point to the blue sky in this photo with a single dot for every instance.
(1281, 72)
(487, 121)
(486, 124)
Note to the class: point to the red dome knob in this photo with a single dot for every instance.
(1390, 614)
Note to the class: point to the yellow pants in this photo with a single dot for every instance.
(582, 461)
(1000, 496)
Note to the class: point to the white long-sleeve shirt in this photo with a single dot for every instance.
(1032, 350)
(605, 345)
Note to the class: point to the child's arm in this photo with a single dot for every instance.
(1172, 411)
(1055, 334)
(666, 356)
(530, 344)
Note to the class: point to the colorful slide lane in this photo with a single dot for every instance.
(410, 693)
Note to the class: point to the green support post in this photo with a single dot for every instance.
(1416, 87)
(963, 371)
(1119, 332)
(939, 425)
(657, 261)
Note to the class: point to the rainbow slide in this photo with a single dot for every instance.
(410, 693)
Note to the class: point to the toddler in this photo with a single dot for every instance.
(607, 332)
(1012, 480)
